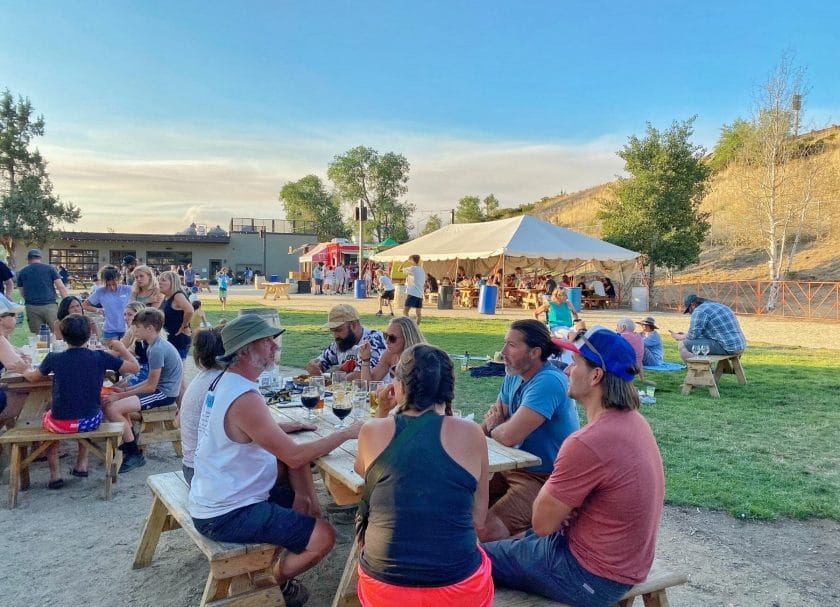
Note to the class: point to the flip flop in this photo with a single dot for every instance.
(57, 484)
(79, 473)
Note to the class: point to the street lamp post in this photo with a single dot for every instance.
(264, 238)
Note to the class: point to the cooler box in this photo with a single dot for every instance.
(574, 296)
(273, 278)
(446, 297)
(360, 289)
(487, 295)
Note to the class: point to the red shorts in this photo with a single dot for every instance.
(70, 426)
(474, 591)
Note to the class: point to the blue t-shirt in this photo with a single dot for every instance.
(38, 283)
(545, 393)
(222, 281)
(77, 383)
(654, 354)
(113, 304)
(163, 355)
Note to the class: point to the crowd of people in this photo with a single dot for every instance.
(579, 528)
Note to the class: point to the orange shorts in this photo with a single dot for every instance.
(474, 591)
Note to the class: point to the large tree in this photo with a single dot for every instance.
(307, 200)
(29, 211)
(433, 224)
(469, 210)
(656, 210)
(779, 172)
(363, 177)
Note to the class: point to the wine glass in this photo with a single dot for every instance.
(309, 398)
(695, 349)
(319, 382)
(704, 350)
(341, 406)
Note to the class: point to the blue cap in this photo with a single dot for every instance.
(606, 349)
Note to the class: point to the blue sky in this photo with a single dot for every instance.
(203, 110)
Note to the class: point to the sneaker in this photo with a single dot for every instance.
(132, 461)
(294, 593)
(379, 313)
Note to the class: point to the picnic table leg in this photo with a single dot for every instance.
(14, 475)
(346, 595)
(151, 534)
(109, 463)
(739, 370)
(656, 599)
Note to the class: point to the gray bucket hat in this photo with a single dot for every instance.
(244, 330)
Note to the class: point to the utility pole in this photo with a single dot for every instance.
(452, 216)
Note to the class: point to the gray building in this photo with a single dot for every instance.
(268, 246)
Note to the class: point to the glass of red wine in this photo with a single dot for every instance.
(342, 406)
(309, 398)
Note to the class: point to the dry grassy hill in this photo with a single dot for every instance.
(734, 249)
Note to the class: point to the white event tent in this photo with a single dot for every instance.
(524, 241)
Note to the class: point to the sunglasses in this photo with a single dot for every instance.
(391, 339)
(581, 335)
(8, 314)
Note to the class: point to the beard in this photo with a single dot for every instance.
(345, 343)
(261, 363)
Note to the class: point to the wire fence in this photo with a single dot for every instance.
(793, 299)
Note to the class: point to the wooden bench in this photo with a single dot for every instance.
(240, 574)
(530, 299)
(596, 301)
(158, 426)
(700, 374)
(276, 289)
(653, 592)
(21, 438)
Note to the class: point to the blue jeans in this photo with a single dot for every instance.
(546, 566)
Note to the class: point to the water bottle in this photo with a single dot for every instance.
(466, 360)
(44, 336)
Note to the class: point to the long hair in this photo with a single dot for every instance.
(207, 345)
(617, 393)
(64, 306)
(536, 336)
(428, 376)
(410, 332)
(154, 288)
(174, 281)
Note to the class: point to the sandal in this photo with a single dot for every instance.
(56, 484)
(79, 473)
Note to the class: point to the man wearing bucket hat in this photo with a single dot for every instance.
(712, 324)
(38, 283)
(652, 341)
(348, 333)
(252, 483)
(595, 520)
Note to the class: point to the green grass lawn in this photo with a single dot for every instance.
(765, 450)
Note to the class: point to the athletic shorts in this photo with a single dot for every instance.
(387, 295)
(413, 302)
(512, 495)
(270, 522)
(152, 400)
(71, 426)
(474, 591)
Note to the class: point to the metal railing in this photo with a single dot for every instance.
(794, 299)
(250, 225)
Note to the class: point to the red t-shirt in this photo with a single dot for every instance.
(611, 472)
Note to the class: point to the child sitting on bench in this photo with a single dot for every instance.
(159, 389)
(77, 383)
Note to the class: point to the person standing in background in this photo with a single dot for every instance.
(415, 279)
(38, 283)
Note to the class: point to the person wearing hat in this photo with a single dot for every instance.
(129, 262)
(712, 324)
(348, 334)
(11, 358)
(595, 520)
(532, 413)
(239, 493)
(38, 284)
(652, 342)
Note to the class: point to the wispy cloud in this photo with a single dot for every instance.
(147, 180)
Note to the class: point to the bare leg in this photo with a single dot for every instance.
(81, 457)
(52, 461)
(320, 543)
(494, 529)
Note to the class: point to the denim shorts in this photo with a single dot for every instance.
(264, 522)
(546, 566)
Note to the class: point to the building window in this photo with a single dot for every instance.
(163, 260)
(116, 257)
(81, 263)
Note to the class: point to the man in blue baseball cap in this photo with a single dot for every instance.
(595, 520)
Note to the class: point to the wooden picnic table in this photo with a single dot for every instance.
(203, 284)
(346, 486)
(276, 289)
(467, 297)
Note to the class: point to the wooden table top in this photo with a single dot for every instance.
(339, 463)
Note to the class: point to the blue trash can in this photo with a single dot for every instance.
(360, 289)
(487, 295)
(273, 278)
(574, 296)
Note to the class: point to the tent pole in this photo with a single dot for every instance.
(502, 286)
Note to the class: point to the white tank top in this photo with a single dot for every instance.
(228, 475)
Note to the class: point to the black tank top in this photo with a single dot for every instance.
(172, 318)
(420, 531)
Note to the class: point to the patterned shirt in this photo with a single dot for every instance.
(331, 355)
(713, 320)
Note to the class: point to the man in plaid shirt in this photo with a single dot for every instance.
(712, 324)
